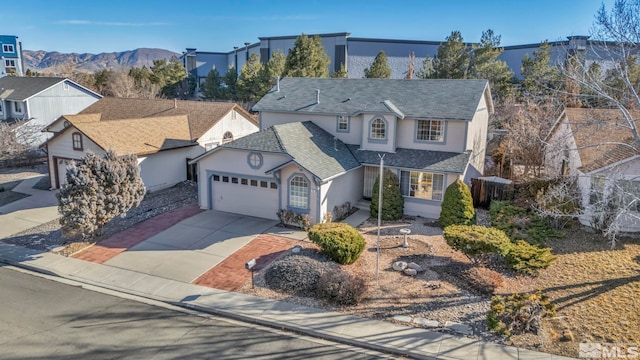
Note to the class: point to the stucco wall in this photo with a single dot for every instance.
(389, 143)
(454, 136)
(327, 122)
(347, 187)
(426, 208)
(239, 127)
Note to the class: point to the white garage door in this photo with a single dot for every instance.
(62, 170)
(239, 195)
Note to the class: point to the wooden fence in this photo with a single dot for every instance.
(483, 191)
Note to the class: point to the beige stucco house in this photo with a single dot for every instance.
(164, 134)
(320, 142)
(597, 147)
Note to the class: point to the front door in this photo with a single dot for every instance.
(370, 175)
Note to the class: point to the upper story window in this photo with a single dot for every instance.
(299, 192)
(378, 129)
(422, 185)
(17, 107)
(77, 141)
(343, 123)
(9, 63)
(430, 130)
(8, 48)
(228, 136)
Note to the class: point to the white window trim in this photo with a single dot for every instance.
(384, 127)
(432, 191)
(10, 63)
(8, 48)
(429, 130)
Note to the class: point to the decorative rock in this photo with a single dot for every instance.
(459, 328)
(426, 322)
(296, 249)
(399, 265)
(415, 267)
(403, 318)
(410, 272)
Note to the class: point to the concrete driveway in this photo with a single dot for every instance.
(190, 248)
(38, 208)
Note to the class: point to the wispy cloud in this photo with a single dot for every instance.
(109, 23)
(267, 18)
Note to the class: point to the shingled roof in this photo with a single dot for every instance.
(427, 160)
(431, 99)
(19, 88)
(602, 136)
(135, 136)
(202, 115)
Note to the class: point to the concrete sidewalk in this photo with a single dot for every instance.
(38, 208)
(362, 332)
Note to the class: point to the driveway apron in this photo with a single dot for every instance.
(188, 249)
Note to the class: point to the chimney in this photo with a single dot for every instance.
(317, 96)
(175, 103)
(277, 83)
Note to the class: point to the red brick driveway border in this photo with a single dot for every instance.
(230, 274)
(120, 242)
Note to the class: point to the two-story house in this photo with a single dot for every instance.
(38, 101)
(10, 56)
(321, 140)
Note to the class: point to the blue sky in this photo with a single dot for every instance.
(218, 25)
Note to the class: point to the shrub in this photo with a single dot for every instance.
(528, 259)
(340, 241)
(483, 280)
(392, 200)
(341, 288)
(520, 224)
(288, 217)
(474, 240)
(296, 274)
(519, 313)
(457, 206)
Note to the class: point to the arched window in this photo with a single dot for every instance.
(228, 136)
(378, 129)
(76, 138)
(299, 192)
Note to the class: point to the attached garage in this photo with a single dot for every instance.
(239, 194)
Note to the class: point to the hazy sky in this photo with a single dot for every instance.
(218, 25)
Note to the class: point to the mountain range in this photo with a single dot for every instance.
(55, 62)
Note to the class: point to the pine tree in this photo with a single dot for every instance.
(254, 80)
(379, 69)
(307, 58)
(392, 200)
(457, 206)
(212, 86)
(540, 76)
(97, 190)
(452, 59)
(275, 65)
(427, 71)
(168, 75)
(229, 88)
(485, 65)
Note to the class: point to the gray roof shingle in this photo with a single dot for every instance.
(433, 99)
(437, 161)
(19, 88)
(306, 143)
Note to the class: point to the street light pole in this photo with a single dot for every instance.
(380, 181)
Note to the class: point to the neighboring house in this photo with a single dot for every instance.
(598, 148)
(320, 142)
(39, 101)
(164, 134)
(10, 56)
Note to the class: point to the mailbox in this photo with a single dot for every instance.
(250, 264)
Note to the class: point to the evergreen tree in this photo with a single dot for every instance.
(307, 58)
(485, 65)
(457, 206)
(427, 71)
(379, 69)
(452, 59)
(168, 75)
(229, 90)
(392, 200)
(212, 87)
(540, 76)
(97, 190)
(340, 74)
(254, 80)
(275, 65)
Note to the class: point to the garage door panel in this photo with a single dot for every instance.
(244, 199)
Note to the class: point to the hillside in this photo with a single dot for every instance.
(53, 62)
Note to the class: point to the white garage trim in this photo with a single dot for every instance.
(269, 187)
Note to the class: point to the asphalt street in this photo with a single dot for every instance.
(45, 319)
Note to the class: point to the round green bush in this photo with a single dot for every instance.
(457, 206)
(528, 259)
(475, 240)
(339, 241)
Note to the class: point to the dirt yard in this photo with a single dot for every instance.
(596, 290)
